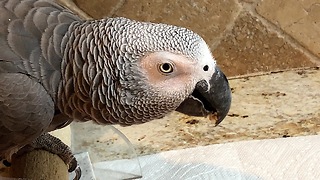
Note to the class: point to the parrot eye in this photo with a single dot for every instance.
(166, 68)
(206, 68)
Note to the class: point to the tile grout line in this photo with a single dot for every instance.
(71, 5)
(250, 8)
(228, 29)
(116, 8)
(274, 72)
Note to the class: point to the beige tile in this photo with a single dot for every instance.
(282, 12)
(300, 19)
(307, 30)
(248, 1)
(309, 3)
(98, 8)
(251, 47)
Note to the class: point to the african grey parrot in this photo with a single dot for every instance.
(56, 68)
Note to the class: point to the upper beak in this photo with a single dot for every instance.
(214, 102)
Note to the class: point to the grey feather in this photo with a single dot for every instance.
(31, 34)
(26, 111)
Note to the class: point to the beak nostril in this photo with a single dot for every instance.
(206, 68)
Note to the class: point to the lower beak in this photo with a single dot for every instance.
(213, 102)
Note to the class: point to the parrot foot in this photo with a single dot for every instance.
(56, 146)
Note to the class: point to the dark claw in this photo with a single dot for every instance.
(78, 173)
(56, 146)
(73, 164)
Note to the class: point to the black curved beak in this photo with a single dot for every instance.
(214, 102)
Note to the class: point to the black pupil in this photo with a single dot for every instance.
(206, 68)
(166, 67)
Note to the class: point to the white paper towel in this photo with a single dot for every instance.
(286, 158)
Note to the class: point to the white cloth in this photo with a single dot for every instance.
(286, 158)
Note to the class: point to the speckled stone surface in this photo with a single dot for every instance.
(265, 106)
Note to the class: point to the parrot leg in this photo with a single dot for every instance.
(54, 145)
(26, 111)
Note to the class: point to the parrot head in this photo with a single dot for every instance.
(135, 72)
(165, 68)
